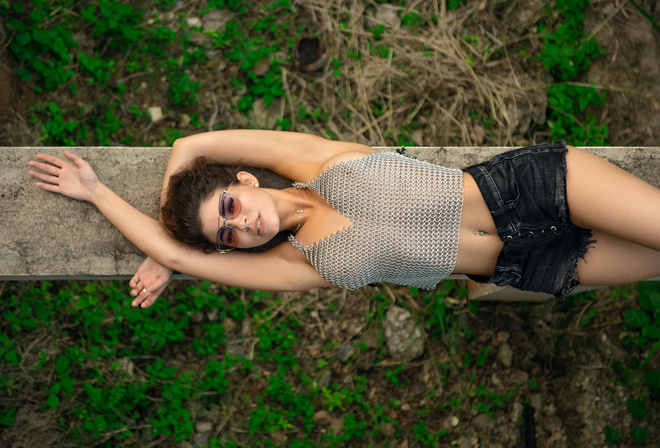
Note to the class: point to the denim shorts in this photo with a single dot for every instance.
(525, 190)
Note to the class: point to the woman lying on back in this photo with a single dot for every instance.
(542, 218)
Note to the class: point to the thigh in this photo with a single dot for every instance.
(603, 197)
(613, 261)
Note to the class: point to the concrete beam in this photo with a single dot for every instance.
(46, 236)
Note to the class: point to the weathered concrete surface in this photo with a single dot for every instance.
(47, 236)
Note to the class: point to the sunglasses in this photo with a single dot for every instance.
(228, 208)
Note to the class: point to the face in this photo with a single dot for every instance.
(256, 223)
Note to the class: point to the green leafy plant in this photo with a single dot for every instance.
(567, 53)
(44, 50)
(643, 335)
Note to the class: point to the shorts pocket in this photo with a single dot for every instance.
(503, 178)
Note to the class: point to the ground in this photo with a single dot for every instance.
(564, 363)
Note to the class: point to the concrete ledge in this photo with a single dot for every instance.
(46, 236)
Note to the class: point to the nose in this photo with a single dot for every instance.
(239, 222)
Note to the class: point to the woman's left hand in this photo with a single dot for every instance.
(74, 178)
(149, 282)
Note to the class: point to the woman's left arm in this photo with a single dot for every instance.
(280, 269)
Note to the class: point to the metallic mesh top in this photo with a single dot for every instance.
(405, 215)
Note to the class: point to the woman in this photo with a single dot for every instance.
(541, 218)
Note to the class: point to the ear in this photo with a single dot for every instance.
(247, 178)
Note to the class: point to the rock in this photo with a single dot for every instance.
(337, 426)
(483, 423)
(404, 336)
(505, 355)
(263, 115)
(184, 120)
(418, 137)
(193, 21)
(345, 352)
(215, 20)
(503, 336)
(201, 440)
(229, 325)
(516, 412)
(387, 429)
(236, 347)
(203, 426)
(322, 418)
(388, 15)
(478, 135)
(326, 378)
(156, 113)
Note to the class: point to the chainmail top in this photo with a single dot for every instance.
(405, 216)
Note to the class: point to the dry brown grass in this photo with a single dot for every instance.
(444, 82)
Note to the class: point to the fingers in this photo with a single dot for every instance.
(77, 161)
(50, 173)
(44, 177)
(46, 167)
(53, 160)
(142, 299)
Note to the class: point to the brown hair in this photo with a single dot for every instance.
(186, 192)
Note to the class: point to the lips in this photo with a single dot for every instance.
(258, 225)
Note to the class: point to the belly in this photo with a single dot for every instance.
(478, 244)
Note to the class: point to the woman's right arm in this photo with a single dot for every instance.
(296, 156)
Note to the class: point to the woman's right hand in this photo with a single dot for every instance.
(74, 178)
(149, 282)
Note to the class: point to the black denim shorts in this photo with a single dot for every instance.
(525, 190)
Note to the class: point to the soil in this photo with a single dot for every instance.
(576, 392)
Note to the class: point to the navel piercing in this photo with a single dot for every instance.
(480, 233)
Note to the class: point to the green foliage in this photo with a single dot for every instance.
(260, 75)
(440, 321)
(567, 53)
(612, 434)
(453, 4)
(642, 326)
(117, 22)
(43, 50)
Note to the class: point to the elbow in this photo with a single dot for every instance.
(174, 263)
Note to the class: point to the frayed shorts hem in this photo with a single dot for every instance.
(525, 190)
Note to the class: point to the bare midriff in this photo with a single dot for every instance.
(479, 245)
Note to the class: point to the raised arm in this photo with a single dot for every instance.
(295, 156)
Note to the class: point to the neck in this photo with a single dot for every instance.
(289, 203)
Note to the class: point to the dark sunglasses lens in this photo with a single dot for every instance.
(227, 238)
(230, 207)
